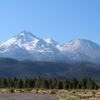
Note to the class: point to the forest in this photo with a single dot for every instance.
(51, 83)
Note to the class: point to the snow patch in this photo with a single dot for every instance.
(48, 40)
(22, 34)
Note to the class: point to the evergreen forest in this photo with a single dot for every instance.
(51, 83)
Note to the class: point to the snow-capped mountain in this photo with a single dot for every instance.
(81, 50)
(26, 46)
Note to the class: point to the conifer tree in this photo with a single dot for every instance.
(75, 83)
(38, 82)
(90, 83)
(0, 81)
(25, 82)
(84, 83)
(51, 86)
(45, 84)
(9, 82)
(79, 86)
(20, 83)
(59, 85)
(15, 80)
(54, 82)
(49, 81)
(65, 84)
(12, 83)
(70, 85)
(4, 83)
(96, 87)
(31, 83)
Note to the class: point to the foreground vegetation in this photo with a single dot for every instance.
(66, 89)
(80, 94)
(74, 94)
(43, 83)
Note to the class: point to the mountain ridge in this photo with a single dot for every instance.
(13, 68)
(26, 46)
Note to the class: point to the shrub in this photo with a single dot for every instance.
(52, 92)
(93, 92)
(11, 90)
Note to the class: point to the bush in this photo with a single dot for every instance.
(93, 92)
(11, 90)
(28, 89)
(52, 92)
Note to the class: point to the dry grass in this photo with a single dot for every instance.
(80, 95)
(28, 90)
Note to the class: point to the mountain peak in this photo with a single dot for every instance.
(25, 33)
(79, 40)
(81, 49)
(25, 37)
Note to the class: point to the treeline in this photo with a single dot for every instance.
(43, 83)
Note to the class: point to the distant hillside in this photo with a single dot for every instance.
(13, 68)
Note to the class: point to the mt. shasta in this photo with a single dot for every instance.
(26, 46)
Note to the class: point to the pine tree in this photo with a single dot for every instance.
(84, 83)
(51, 86)
(75, 83)
(15, 80)
(31, 83)
(49, 81)
(65, 84)
(45, 84)
(90, 84)
(12, 83)
(70, 85)
(59, 85)
(20, 83)
(4, 83)
(96, 87)
(54, 82)
(25, 82)
(0, 81)
(9, 82)
(79, 86)
(38, 82)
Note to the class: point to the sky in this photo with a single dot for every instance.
(61, 20)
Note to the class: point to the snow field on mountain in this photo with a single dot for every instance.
(28, 46)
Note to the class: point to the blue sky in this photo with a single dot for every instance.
(62, 20)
